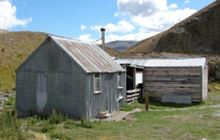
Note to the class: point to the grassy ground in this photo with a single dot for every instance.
(162, 122)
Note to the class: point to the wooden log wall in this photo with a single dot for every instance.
(184, 81)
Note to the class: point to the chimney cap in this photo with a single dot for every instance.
(102, 29)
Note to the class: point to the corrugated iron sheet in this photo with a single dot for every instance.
(89, 56)
(179, 62)
(132, 62)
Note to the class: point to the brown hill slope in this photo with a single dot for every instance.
(198, 34)
(14, 48)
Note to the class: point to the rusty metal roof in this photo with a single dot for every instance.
(89, 56)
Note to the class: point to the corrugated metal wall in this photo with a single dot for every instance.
(65, 84)
(50, 79)
(107, 99)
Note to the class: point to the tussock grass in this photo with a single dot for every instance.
(10, 126)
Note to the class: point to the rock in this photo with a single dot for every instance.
(6, 95)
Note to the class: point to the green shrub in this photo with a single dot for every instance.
(31, 121)
(86, 123)
(56, 118)
(59, 136)
(11, 101)
(68, 124)
(46, 127)
(9, 125)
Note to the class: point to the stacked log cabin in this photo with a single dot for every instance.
(176, 80)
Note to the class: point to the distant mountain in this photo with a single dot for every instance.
(3, 31)
(198, 34)
(121, 45)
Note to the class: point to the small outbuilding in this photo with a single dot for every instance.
(74, 78)
(176, 80)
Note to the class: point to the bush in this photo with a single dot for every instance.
(46, 127)
(56, 118)
(60, 136)
(69, 124)
(31, 121)
(85, 123)
(9, 125)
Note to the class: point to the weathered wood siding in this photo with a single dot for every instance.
(184, 81)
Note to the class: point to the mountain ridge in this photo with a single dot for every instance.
(197, 34)
(121, 45)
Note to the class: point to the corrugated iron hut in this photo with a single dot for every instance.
(176, 80)
(74, 78)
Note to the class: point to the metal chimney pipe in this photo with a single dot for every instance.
(103, 36)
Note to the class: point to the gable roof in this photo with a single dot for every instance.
(89, 56)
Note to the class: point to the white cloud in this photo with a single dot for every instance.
(86, 38)
(162, 20)
(83, 27)
(155, 15)
(173, 6)
(130, 36)
(122, 26)
(141, 7)
(139, 19)
(8, 17)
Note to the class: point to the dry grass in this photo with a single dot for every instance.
(37, 136)
(14, 48)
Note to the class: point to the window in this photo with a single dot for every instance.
(97, 83)
(119, 82)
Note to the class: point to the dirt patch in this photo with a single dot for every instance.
(216, 114)
(129, 118)
(122, 115)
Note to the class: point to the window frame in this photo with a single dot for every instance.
(119, 80)
(95, 77)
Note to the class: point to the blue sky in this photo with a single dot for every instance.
(81, 19)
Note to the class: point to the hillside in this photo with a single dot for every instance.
(14, 48)
(198, 34)
(3, 31)
(121, 45)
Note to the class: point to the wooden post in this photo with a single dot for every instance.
(146, 97)
(134, 78)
